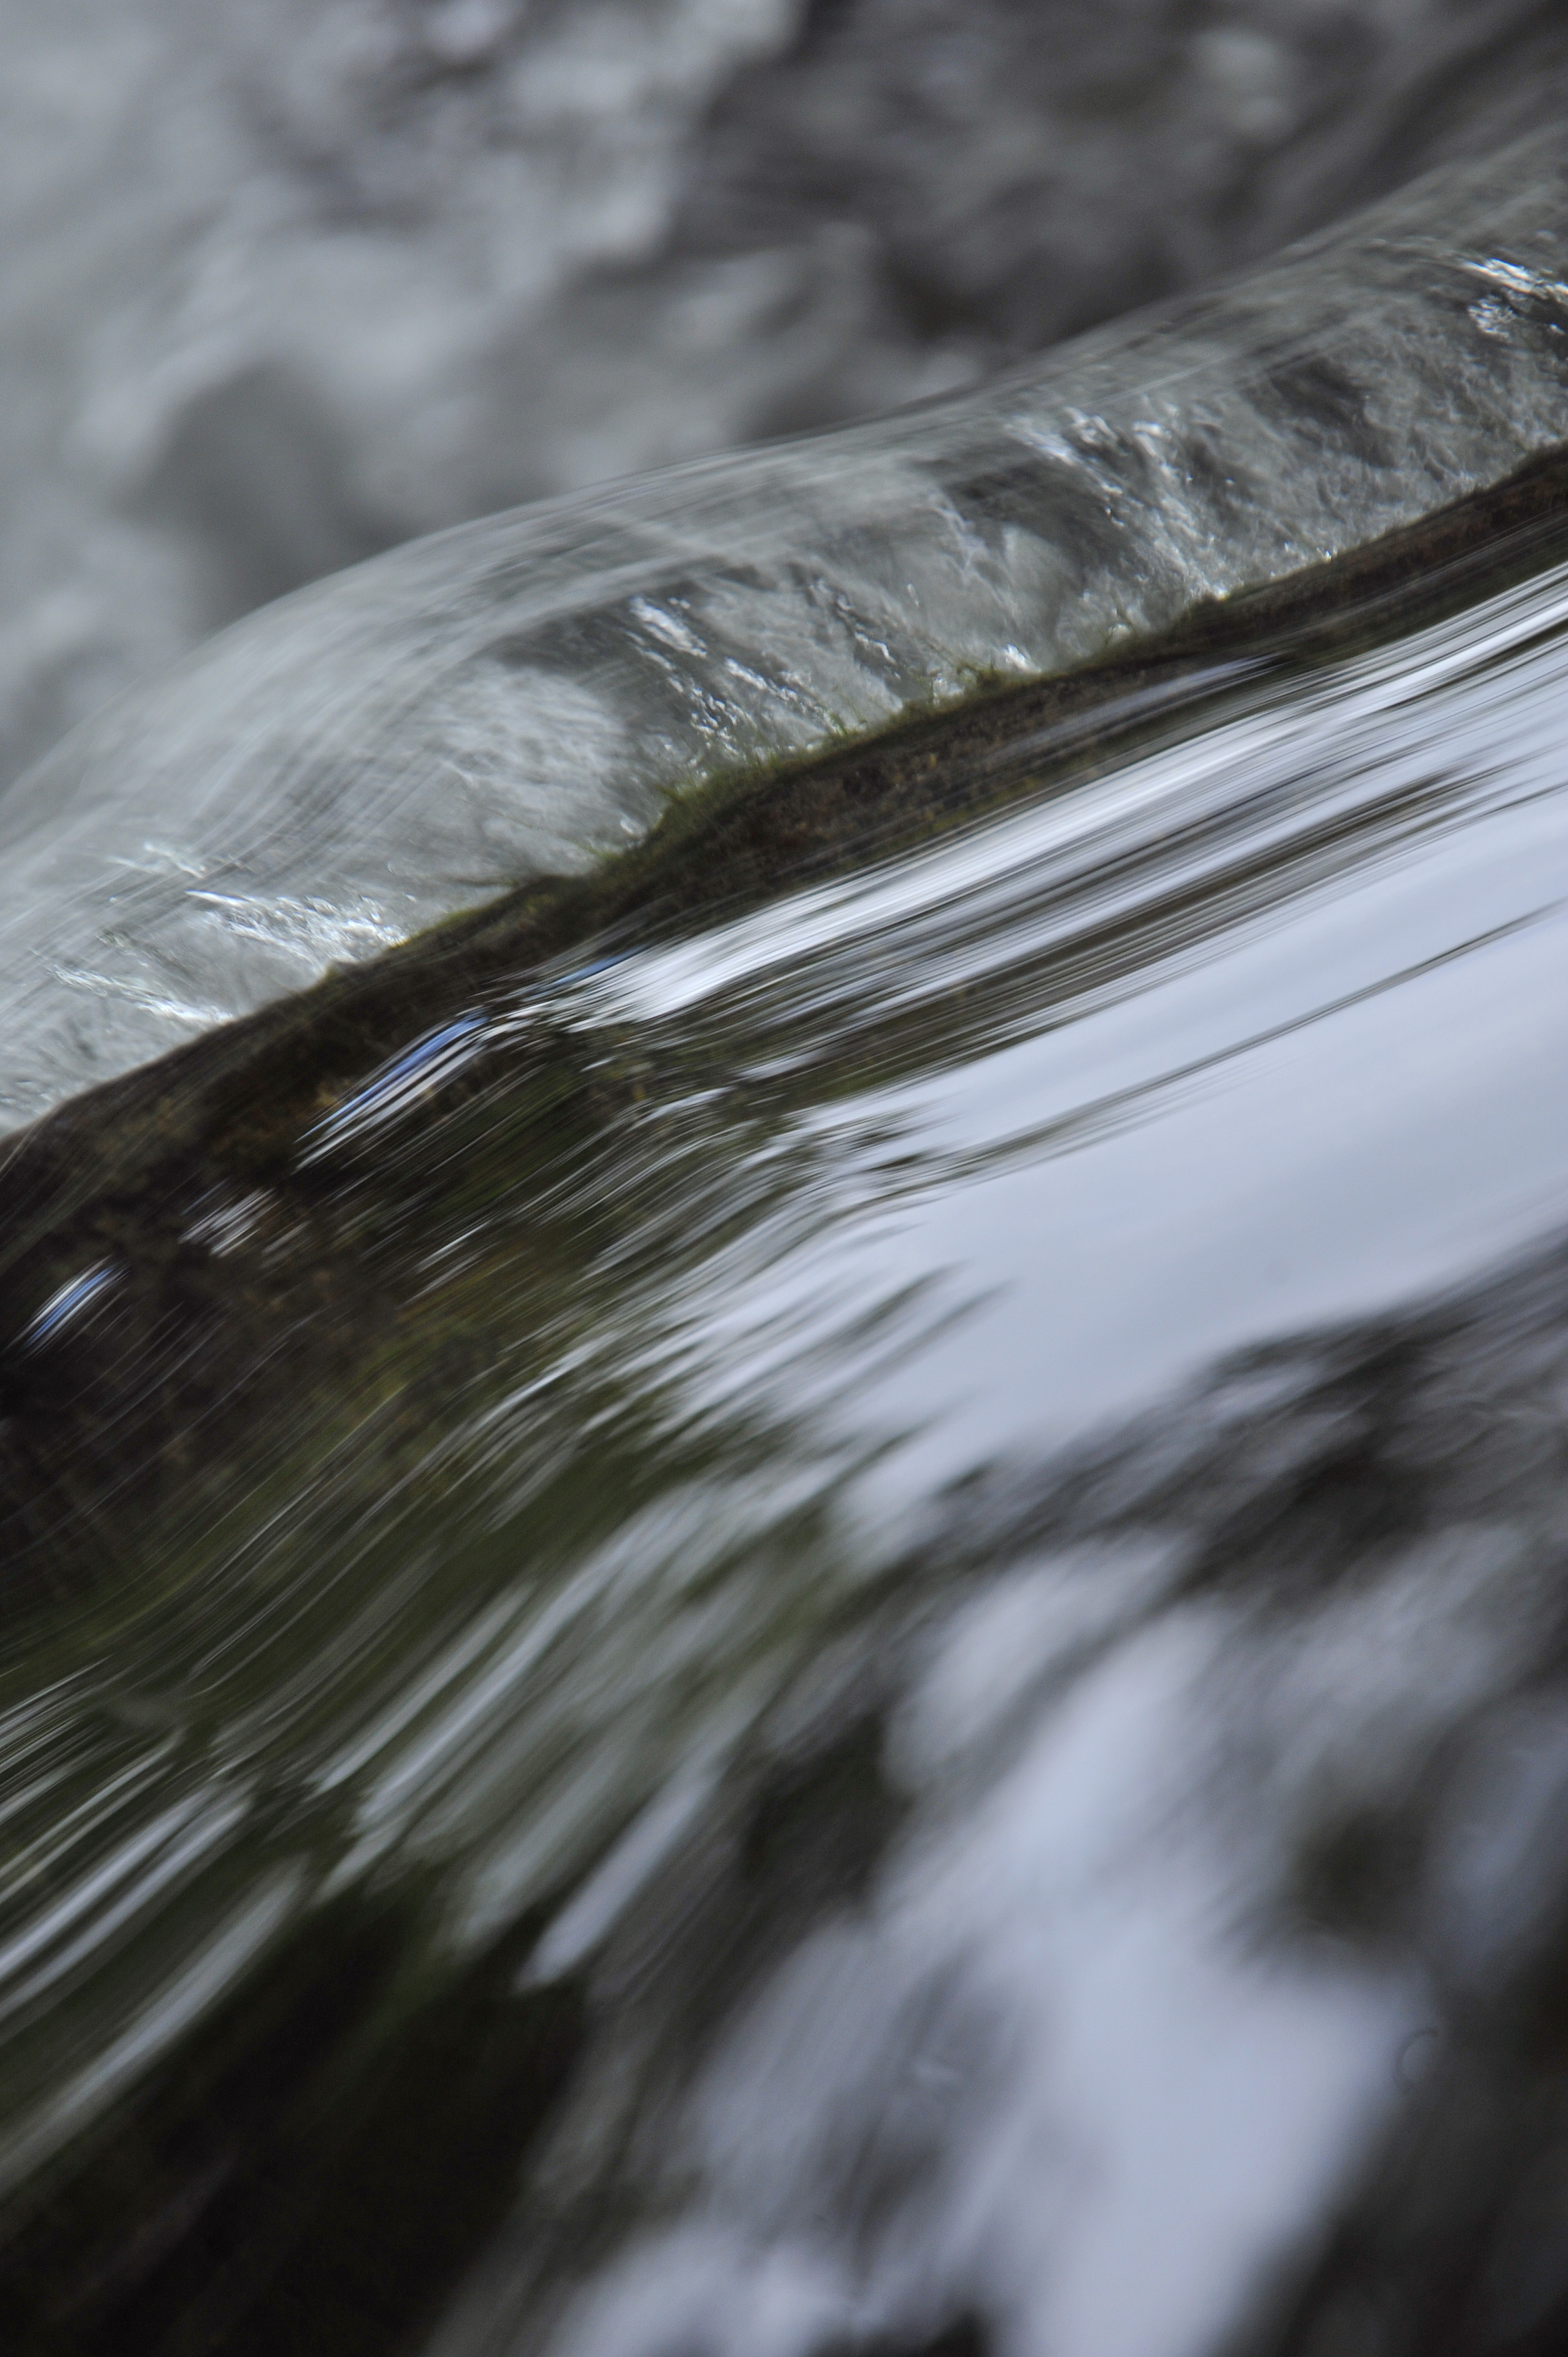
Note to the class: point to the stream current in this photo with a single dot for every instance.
(842, 1628)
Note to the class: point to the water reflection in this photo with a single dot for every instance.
(657, 1701)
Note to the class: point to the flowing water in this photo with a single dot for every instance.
(783, 1256)
(284, 282)
(834, 1621)
(509, 698)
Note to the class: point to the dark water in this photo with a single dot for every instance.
(841, 1627)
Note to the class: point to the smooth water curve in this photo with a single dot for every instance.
(509, 698)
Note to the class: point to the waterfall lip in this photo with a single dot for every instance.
(514, 696)
(280, 1080)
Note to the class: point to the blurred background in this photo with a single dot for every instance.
(284, 282)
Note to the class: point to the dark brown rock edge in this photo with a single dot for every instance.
(238, 1097)
(114, 1179)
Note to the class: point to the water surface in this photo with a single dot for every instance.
(839, 1621)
